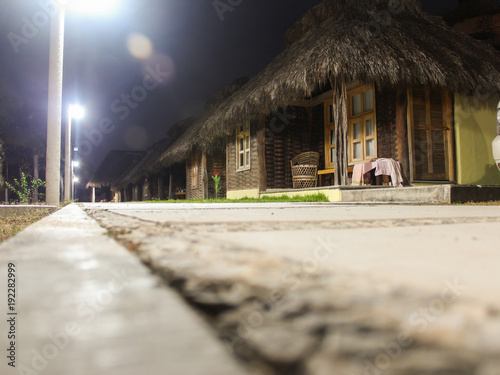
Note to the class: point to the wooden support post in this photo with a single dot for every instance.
(170, 186)
(402, 131)
(92, 199)
(449, 135)
(160, 186)
(204, 175)
(410, 135)
(341, 126)
(261, 149)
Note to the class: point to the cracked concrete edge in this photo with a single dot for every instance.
(65, 265)
(343, 315)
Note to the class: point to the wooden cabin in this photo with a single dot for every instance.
(411, 90)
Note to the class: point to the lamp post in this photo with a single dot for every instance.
(75, 112)
(53, 156)
(54, 114)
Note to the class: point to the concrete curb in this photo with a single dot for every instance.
(85, 305)
(7, 210)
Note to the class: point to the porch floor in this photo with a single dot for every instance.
(435, 194)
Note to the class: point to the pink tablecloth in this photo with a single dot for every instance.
(388, 167)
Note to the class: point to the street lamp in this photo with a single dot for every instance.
(54, 114)
(76, 112)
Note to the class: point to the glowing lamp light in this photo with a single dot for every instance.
(93, 6)
(76, 179)
(77, 112)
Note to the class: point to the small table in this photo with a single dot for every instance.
(324, 172)
(386, 167)
(180, 195)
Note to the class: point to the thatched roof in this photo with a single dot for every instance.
(149, 163)
(183, 146)
(114, 165)
(369, 41)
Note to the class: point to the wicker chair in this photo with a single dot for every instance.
(305, 170)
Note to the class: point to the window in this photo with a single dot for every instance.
(195, 167)
(330, 136)
(362, 125)
(243, 147)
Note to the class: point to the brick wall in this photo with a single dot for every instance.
(386, 124)
(297, 129)
(216, 162)
(194, 192)
(289, 132)
(243, 180)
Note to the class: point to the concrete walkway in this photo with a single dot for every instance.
(321, 289)
(303, 289)
(87, 306)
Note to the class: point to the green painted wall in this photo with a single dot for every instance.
(475, 129)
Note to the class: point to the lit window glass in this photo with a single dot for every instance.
(333, 155)
(370, 128)
(370, 147)
(356, 130)
(358, 150)
(368, 101)
(356, 105)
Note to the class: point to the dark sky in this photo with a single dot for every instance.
(196, 52)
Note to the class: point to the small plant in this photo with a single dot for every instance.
(216, 178)
(24, 188)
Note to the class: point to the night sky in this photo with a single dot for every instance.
(196, 51)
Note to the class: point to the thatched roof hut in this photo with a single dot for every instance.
(149, 163)
(384, 42)
(190, 139)
(112, 168)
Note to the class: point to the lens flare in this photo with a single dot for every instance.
(140, 46)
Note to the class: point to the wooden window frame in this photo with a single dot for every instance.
(449, 136)
(243, 134)
(362, 118)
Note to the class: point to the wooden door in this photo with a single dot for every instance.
(431, 134)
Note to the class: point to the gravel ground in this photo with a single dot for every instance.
(15, 223)
(282, 317)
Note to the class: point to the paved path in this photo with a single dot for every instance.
(86, 306)
(419, 245)
(290, 289)
(313, 288)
